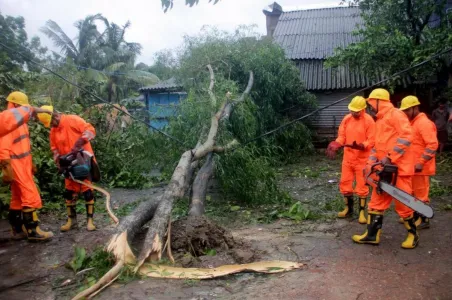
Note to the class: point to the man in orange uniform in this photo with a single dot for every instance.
(70, 134)
(392, 139)
(357, 134)
(425, 144)
(17, 167)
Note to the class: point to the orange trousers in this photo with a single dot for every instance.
(75, 187)
(421, 187)
(383, 201)
(24, 194)
(350, 173)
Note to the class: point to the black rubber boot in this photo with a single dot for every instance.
(348, 210)
(90, 215)
(71, 217)
(421, 221)
(372, 234)
(362, 207)
(31, 226)
(15, 220)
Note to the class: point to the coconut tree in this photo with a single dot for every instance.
(85, 51)
(118, 61)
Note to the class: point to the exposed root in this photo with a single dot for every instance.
(105, 280)
(107, 201)
(169, 253)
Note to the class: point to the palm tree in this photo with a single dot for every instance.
(108, 52)
(84, 53)
(118, 61)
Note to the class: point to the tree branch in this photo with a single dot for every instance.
(212, 84)
(229, 106)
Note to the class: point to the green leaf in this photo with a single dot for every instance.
(235, 208)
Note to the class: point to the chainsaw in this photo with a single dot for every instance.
(75, 165)
(387, 178)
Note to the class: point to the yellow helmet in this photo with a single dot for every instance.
(357, 104)
(18, 98)
(408, 102)
(44, 118)
(380, 94)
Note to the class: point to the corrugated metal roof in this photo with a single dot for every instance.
(162, 85)
(317, 77)
(315, 33)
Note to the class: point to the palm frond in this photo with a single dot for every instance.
(53, 31)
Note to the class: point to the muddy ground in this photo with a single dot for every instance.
(335, 268)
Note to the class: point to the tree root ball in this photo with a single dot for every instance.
(197, 235)
(207, 243)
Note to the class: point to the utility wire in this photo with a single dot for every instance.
(342, 99)
(94, 95)
(260, 136)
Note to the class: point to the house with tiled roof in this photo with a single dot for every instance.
(309, 37)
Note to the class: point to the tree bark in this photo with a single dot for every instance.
(153, 243)
(200, 186)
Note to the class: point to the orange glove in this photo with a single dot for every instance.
(7, 171)
(333, 147)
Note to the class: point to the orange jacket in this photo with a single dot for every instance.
(362, 131)
(425, 143)
(16, 147)
(393, 136)
(11, 119)
(70, 129)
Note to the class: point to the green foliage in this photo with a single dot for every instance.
(79, 259)
(248, 177)
(396, 35)
(276, 86)
(297, 213)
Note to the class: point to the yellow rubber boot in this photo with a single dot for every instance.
(31, 226)
(372, 234)
(15, 220)
(348, 210)
(401, 221)
(412, 238)
(89, 215)
(71, 218)
(362, 207)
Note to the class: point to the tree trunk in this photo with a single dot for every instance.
(200, 186)
(153, 243)
(110, 90)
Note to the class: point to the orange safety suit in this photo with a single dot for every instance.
(12, 118)
(63, 138)
(361, 131)
(424, 146)
(393, 136)
(15, 146)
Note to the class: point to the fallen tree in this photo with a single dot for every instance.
(158, 213)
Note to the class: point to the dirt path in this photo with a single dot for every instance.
(336, 268)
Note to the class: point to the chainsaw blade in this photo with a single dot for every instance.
(407, 199)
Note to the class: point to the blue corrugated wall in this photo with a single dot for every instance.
(162, 107)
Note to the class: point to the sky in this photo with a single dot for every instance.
(151, 27)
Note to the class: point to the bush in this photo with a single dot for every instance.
(248, 177)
